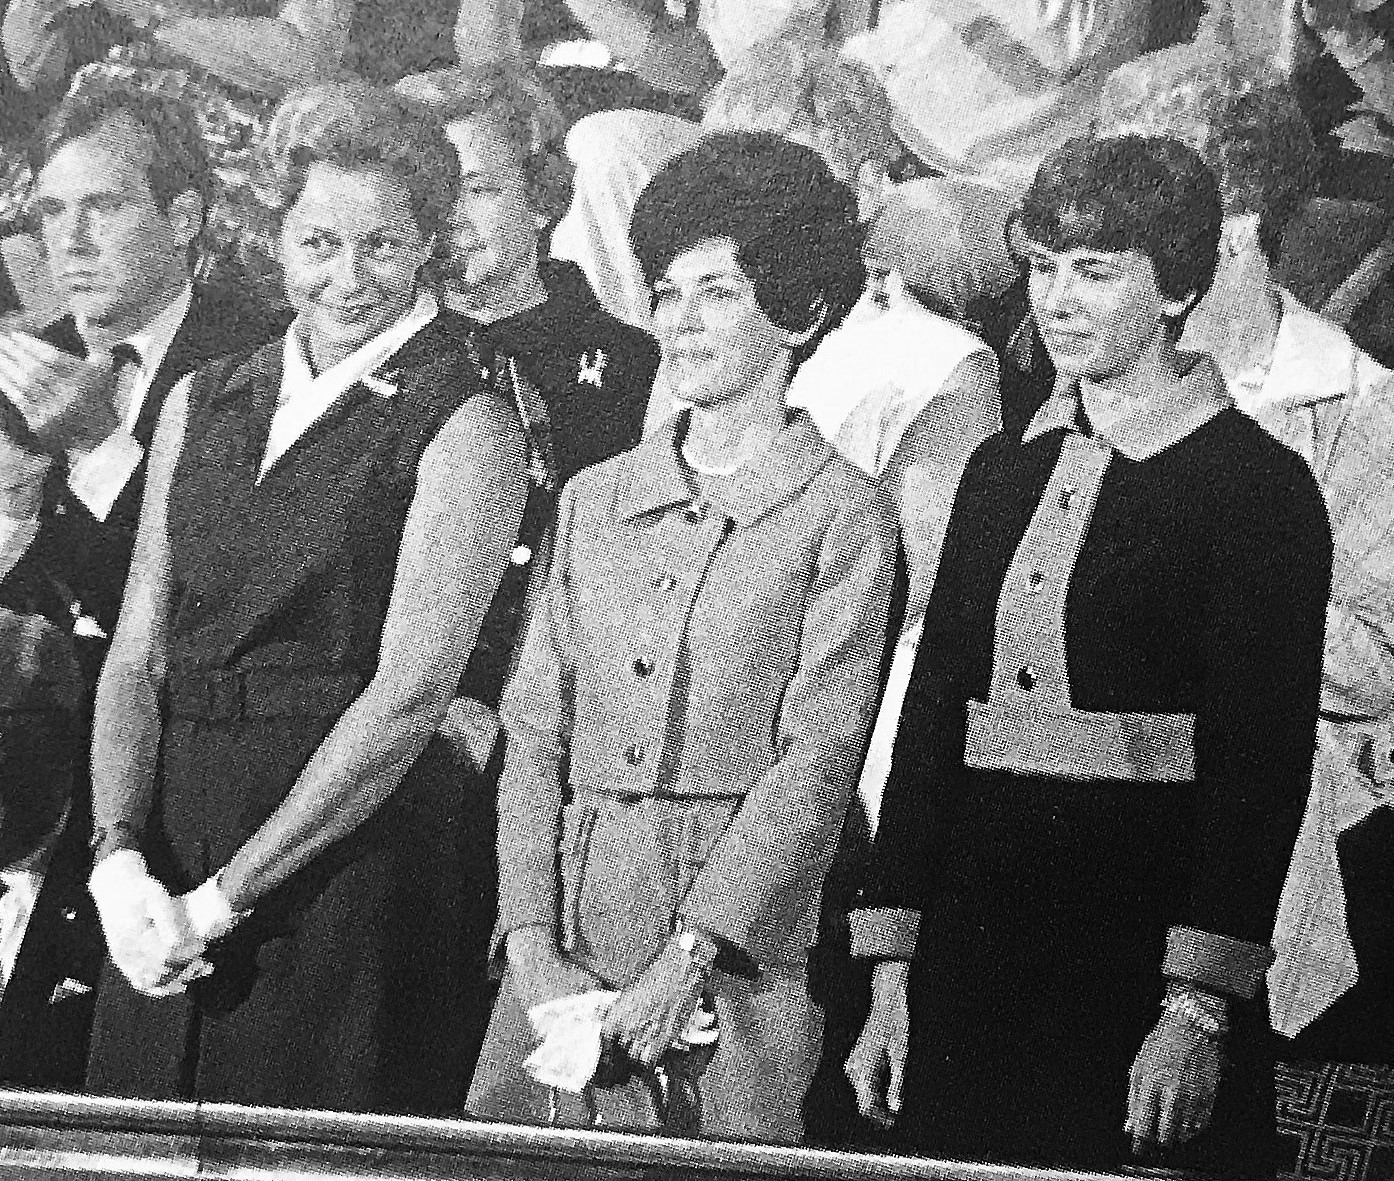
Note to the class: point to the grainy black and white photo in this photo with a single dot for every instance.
(697, 589)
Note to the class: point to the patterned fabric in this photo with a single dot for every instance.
(1336, 1121)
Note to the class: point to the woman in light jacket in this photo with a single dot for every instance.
(694, 698)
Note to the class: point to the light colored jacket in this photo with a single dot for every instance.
(1334, 405)
(702, 650)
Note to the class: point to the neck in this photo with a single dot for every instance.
(498, 299)
(1158, 366)
(123, 327)
(729, 433)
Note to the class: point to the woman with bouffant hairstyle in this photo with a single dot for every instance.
(293, 887)
(693, 696)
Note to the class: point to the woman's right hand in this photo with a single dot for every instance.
(876, 1066)
(541, 973)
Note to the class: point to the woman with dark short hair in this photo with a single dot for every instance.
(291, 875)
(694, 694)
(1107, 739)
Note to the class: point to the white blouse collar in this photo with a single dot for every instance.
(306, 397)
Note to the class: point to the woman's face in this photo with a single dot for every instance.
(718, 344)
(350, 252)
(1099, 311)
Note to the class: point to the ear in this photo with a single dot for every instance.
(818, 314)
(1175, 309)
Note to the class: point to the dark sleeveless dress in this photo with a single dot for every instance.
(360, 984)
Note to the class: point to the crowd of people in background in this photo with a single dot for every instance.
(773, 570)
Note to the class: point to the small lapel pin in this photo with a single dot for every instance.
(381, 384)
(67, 989)
(592, 371)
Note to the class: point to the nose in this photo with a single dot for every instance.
(1059, 296)
(683, 315)
(71, 230)
(352, 270)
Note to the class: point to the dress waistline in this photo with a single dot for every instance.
(230, 695)
(1016, 733)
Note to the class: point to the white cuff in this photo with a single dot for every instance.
(97, 476)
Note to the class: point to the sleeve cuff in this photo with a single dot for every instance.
(97, 476)
(1234, 967)
(885, 933)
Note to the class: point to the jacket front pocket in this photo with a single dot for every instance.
(577, 821)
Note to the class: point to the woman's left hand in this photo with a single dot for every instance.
(649, 1015)
(1171, 1089)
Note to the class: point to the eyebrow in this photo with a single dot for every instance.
(704, 277)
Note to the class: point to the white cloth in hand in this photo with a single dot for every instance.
(570, 1029)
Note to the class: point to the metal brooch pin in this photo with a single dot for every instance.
(592, 371)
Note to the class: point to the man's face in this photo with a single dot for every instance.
(493, 234)
(111, 251)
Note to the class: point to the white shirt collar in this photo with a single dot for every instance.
(305, 397)
(1312, 359)
(151, 343)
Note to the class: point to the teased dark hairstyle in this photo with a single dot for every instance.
(178, 159)
(353, 125)
(527, 121)
(1262, 149)
(1131, 192)
(793, 223)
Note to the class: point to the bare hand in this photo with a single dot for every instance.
(653, 1012)
(1171, 1088)
(876, 1065)
(66, 401)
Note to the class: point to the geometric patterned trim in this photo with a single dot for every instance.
(1336, 1121)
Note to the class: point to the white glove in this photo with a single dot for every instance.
(147, 935)
(208, 912)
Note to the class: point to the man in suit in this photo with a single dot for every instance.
(122, 184)
(50, 945)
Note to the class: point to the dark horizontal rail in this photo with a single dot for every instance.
(56, 1136)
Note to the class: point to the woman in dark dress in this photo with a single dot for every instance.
(289, 869)
(1108, 735)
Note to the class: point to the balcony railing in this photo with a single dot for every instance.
(63, 1137)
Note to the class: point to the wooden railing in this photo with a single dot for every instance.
(66, 1137)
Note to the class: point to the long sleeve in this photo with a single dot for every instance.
(537, 716)
(1270, 568)
(756, 881)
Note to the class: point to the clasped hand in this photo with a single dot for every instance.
(66, 401)
(654, 1012)
(149, 933)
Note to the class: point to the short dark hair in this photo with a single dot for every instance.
(794, 224)
(352, 125)
(1152, 194)
(1262, 149)
(178, 160)
(522, 113)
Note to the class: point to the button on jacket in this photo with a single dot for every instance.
(725, 651)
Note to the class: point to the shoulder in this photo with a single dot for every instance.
(1258, 494)
(224, 320)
